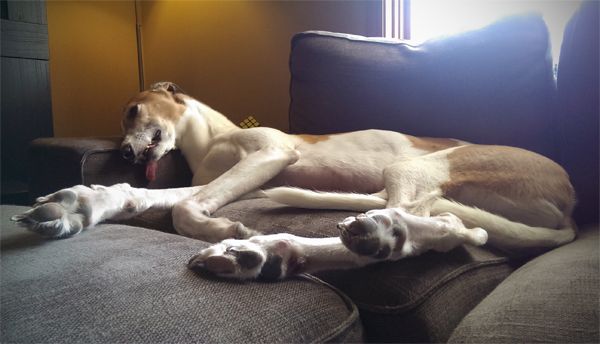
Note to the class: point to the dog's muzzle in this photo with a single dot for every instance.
(127, 152)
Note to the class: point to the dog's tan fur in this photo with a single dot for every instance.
(420, 193)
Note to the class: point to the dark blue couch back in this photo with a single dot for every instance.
(492, 86)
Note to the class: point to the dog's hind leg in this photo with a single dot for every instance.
(68, 211)
(405, 227)
(522, 200)
(390, 233)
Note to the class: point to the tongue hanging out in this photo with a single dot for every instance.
(151, 166)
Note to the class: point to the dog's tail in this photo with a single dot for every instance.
(511, 236)
(310, 199)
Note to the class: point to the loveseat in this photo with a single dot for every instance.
(128, 282)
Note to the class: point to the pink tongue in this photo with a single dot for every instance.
(151, 170)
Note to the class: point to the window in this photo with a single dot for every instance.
(396, 19)
(420, 20)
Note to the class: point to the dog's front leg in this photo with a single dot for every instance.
(68, 211)
(276, 256)
(191, 217)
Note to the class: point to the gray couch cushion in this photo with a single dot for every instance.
(418, 299)
(62, 162)
(421, 299)
(116, 283)
(553, 298)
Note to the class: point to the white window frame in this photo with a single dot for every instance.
(396, 19)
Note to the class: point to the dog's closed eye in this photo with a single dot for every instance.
(157, 136)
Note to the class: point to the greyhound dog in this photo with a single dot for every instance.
(419, 194)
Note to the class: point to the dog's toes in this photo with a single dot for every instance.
(231, 258)
(43, 213)
(50, 220)
(47, 212)
(66, 197)
(368, 236)
(268, 257)
(216, 264)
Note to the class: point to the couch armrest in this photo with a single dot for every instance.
(56, 163)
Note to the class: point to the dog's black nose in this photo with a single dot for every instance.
(127, 152)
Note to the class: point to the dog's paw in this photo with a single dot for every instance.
(372, 234)
(68, 211)
(58, 215)
(268, 257)
(51, 220)
(383, 232)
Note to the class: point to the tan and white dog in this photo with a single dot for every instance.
(420, 194)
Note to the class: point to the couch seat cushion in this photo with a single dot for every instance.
(553, 298)
(417, 299)
(116, 283)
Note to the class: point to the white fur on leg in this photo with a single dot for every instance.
(68, 211)
(275, 256)
(395, 234)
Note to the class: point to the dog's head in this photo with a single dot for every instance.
(149, 123)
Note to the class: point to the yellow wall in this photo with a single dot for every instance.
(93, 65)
(232, 55)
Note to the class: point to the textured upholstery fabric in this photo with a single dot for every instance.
(417, 299)
(120, 284)
(64, 162)
(411, 291)
(553, 298)
(493, 85)
(579, 99)
(431, 317)
(263, 215)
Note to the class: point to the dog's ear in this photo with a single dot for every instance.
(133, 111)
(166, 85)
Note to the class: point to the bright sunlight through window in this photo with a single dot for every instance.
(434, 18)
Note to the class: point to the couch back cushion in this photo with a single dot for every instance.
(579, 99)
(493, 85)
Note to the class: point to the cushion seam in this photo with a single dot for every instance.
(86, 155)
(423, 296)
(345, 324)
